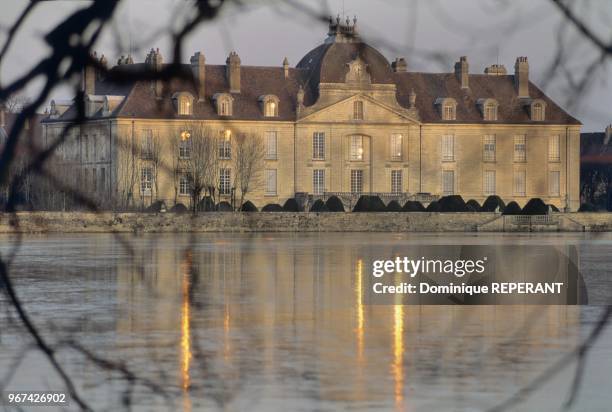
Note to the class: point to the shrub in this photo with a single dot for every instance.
(334, 204)
(156, 207)
(535, 206)
(553, 208)
(272, 207)
(319, 206)
(472, 206)
(492, 203)
(178, 208)
(368, 203)
(394, 206)
(224, 207)
(413, 206)
(433, 206)
(512, 208)
(248, 206)
(587, 207)
(291, 206)
(452, 203)
(206, 204)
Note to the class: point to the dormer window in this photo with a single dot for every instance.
(358, 110)
(538, 110)
(448, 108)
(488, 108)
(184, 103)
(269, 104)
(224, 103)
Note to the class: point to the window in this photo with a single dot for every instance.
(520, 148)
(146, 180)
(356, 147)
(357, 110)
(537, 111)
(184, 106)
(94, 144)
(224, 104)
(318, 181)
(225, 145)
(489, 182)
(224, 108)
(225, 181)
(553, 183)
(490, 111)
(396, 181)
(489, 148)
(271, 145)
(448, 182)
(270, 109)
(146, 144)
(554, 150)
(318, 145)
(184, 185)
(448, 111)
(448, 148)
(356, 181)
(520, 179)
(185, 145)
(396, 147)
(271, 182)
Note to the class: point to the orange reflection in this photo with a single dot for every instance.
(398, 354)
(186, 333)
(360, 316)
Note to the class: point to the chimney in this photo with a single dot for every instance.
(521, 76)
(198, 67)
(286, 68)
(232, 72)
(608, 134)
(89, 76)
(461, 72)
(399, 65)
(155, 62)
(496, 70)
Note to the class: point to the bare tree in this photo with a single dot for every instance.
(16, 102)
(199, 162)
(127, 173)
(247, 162)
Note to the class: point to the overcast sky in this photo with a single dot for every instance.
(431, 34)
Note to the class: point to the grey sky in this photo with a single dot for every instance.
(431, 34)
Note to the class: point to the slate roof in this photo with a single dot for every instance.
(326, 63)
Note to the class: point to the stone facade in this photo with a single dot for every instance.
(344, 120)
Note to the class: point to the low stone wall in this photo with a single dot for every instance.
(77, 222)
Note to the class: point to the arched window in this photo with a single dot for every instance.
(224, 104)
(448, 107)
(269, 105)
(538, 111)
(184, 103)
(489, 109)
(357, 110)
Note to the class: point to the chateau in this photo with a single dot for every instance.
(344, 120)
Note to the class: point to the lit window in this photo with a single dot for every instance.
(146, 180)
(520, 179)
(396, 181)
(490, 111)
(270, 109)
(184, 185)
(318, 145)
(271, 145)
(554, 150)
(184, 106)
(489, 182)
(396, 147)
(271, 182)
(357, 110)
(448, 148)
(554, 179)
(185, 145)
(356, 147)
(225, 145)
(489, 148)
(225, 181)
(520, 148)
(318, 181)
(448, 182)
(356, 181)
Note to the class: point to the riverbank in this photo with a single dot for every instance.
(82, 222)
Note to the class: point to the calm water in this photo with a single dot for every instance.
(267, 322)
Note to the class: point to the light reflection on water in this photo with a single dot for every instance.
(278, 322)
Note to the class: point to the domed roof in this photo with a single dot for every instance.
(329, 63)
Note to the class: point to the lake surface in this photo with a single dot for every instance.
(262, 322)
